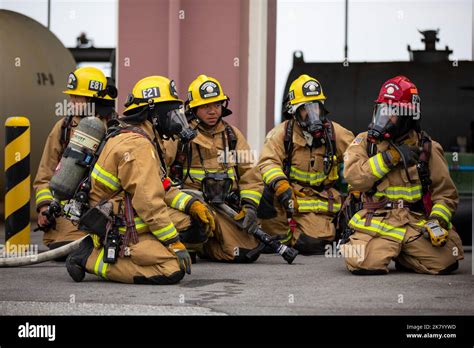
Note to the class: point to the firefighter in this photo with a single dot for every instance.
(299, 165)
(91, 94)
(141, 243)
(219, 163)
(407, 198)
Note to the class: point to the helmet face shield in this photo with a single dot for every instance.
(382, 125)
(381, 116)
(310, 116)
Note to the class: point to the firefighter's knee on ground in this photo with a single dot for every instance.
(368, 255)
(422, 257)
(160, 279)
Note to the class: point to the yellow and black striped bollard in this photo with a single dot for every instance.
(17, 184)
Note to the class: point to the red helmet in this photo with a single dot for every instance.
(399, 90)
(397, 98)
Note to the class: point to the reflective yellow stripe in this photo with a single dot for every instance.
(199, 174)
(378, 227)
(43, 195)
(139, 224)
(316, 205)
(441, 211)
(378, 166)
(313, 179)
(165, 233)
(179, 202)
(100, 267)
(105, 177)
(270, 174)
(254, 196)
(407, 193)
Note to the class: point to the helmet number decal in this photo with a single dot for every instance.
(152, 92)
(95, 85)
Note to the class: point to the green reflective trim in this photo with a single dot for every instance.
(270, 174)
(105, 178)
(254, 196)
(378, 166)
(314, 179)
(100, 267)
(165, 233)
(377, 227)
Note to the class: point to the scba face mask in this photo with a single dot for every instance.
(170, 121)
(381, 126)
(175, 125)
(311, 118)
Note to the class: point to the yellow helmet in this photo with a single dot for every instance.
(150, 90)
(305, 89)
(204, 90)
(90, 82)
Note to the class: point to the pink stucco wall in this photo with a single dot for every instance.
(208, 40)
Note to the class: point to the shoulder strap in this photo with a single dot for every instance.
(232, 144)
(183, 155)
(330, 148)
(332, 134)
(65, 135)
(288, 144)
(424, 160)
(231, 136)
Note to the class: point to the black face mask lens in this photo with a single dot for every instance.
(216, 187)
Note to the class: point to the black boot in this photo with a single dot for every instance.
(76, 261)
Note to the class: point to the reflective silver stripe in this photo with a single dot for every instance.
(378, 166)
(105, 178)
(100, 267)
(377, 227)
(307, 177)
(166, 232)
(252, 195)
(179, 202)
(397, 192)
(271, 174)
(440, 210)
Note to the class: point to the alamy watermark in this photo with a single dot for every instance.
(74, 109)
(19, 250)
(237, 156)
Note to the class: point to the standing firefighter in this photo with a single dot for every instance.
(407, 198)
(299, 165)
(136, 239)
(218, 162)
(91, 94)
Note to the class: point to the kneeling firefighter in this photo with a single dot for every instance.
(218, 163)
(91, 94)
(406, 198)
(133, 226)
(299, 165)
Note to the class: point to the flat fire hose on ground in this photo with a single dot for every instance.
(41, 257)
(288, 253)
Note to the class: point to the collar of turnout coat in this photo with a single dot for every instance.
(206, 135)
